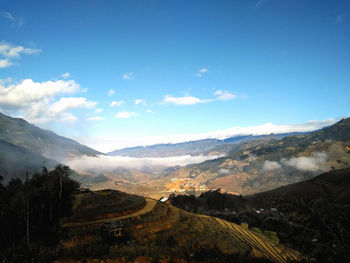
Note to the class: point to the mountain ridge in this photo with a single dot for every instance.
(193, 147)
(19, 132)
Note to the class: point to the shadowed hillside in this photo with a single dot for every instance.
(21, 133)
(16, 162)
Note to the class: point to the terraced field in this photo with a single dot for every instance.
(162, 231)
(267, 248)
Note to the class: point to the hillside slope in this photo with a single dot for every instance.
(19, 132)
(16, 162)
(169, 234)
(311, 216)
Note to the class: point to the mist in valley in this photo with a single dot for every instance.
(103, 163)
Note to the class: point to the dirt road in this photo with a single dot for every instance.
(150, 203)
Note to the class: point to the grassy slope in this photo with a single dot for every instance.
(168, 232)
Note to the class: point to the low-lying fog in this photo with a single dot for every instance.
(109, 163)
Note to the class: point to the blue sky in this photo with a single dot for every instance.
(194, 67)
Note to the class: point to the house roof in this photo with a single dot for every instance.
(164, 199)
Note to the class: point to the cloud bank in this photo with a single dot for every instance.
(110, 163)
(311, 163)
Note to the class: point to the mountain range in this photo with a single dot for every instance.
(198, 147)
(250, 164)
(261, 165)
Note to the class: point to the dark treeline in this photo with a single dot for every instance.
(210, 201)
(31, 211)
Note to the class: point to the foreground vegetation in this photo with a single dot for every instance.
(30, 214)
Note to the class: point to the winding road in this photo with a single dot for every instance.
(150, 203)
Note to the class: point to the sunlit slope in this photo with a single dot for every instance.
(262, 245)
(196, 232)
(161, 231)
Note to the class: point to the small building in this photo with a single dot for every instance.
(165, 200)
(114, 228)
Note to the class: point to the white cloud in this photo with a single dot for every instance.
(65, 75)
(111, 92)
(95, 118)
(4, 63)
(306, 163)
(200, 72)
(128, 76)
(150, 111)
(36, 101)
(65, 104)
(116, 103)
(224, 95)
(15, 21)
(104, 163)
(98, 110)
(271, 166)
(140, 101)
(27, 92)
(186, 100)
(9, 52)
(125, 115)
(65, 117)
(58, 111)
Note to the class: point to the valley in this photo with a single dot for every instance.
(235, 200)
(248, 167)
